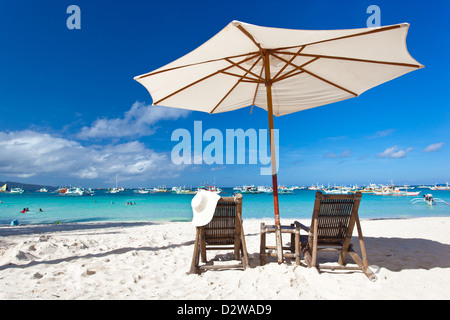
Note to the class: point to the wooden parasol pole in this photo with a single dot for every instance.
(273, 161)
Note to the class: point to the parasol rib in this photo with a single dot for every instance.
(350, 59)
(242, 68)
(250, 37)
(236, 84)
(292, 59)
(289, 74)
(244, 79)
(316, 76)
(256, 91)
(344, 37)
(200, 80)
(193, 64)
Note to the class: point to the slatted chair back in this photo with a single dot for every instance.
(335, 216)
(224, 227)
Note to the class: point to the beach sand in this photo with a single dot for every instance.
(143, 260)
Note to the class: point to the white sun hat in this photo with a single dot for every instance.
(203, 206)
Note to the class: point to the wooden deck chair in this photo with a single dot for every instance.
(333, 220)
(223, 232)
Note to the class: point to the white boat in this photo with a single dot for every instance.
(17, 190)
(74, 191)
(429, 200)
(116, 189)
(265, 189)
(248, 189)
(180, 190)
(160, 189)
(143, 191)
(113, 190)
(438, 188)
(393, 191)
(407, 193)
(285, 190)
(88, 191)
(370, 188)
(42, 190)
(336, 191)
(317, 187)
(406, 187)
(210, 188)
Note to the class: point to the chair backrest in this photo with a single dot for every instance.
(335, 214)
(226, 222)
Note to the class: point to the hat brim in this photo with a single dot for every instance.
(203, 217)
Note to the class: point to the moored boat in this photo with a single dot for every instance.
(73, 191)
(16, 190)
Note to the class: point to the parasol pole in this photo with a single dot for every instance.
(273, 161)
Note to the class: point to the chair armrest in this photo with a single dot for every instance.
(301, 226)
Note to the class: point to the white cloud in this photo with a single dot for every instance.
(29, 153)
(434, 147)
(139, 121)
(394, 152)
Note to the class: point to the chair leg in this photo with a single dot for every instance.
(202, 244)
(307, 255)
(297, 246)
(262, 250)
(237, 245)
(366, 270)
(245, 262)
(196, 255)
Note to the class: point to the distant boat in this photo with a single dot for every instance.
(337, 191)
(265, 189)
(317, 187)
(406, 187)
(429, 200)
(248, 189)
(180, 190)
(142, 191)
(42, 190)
(89, 191)
(393, 191)
(17, 190)
(74, 192)
(285, 190)
(3, 188)
(210, 188)
(116, 189)
(438, 188)
(160, 189)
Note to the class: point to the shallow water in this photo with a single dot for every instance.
(175, 207)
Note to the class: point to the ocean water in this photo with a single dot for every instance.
(159, 207)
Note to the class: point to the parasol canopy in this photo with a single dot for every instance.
(307, 68)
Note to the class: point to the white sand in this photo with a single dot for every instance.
(411, 259)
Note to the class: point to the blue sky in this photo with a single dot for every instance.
(71, 113)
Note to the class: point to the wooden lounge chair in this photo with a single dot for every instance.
(333, 220)
(223, 232)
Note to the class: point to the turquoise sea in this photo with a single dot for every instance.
(176, 207)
